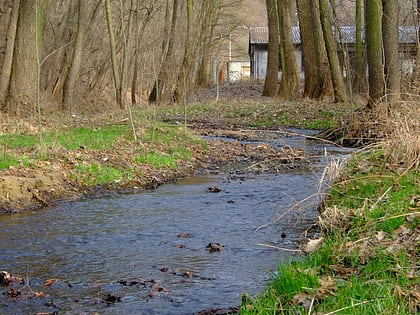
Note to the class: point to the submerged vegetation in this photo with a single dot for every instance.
(367, 262)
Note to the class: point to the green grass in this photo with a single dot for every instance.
(157, 160)
(9, 160)
(368, 275)
(71, 139)
(97, 174)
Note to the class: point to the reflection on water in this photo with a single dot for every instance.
(91, 246)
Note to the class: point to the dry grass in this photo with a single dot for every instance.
(402, 145)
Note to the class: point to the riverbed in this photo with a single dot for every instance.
(146, 253)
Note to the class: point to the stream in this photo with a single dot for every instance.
(146, 253)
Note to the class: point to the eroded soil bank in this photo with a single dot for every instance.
(240, 111)
(50, 180)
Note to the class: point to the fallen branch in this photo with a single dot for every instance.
(280, 248)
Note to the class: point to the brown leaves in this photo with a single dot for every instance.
(50, 282)
(312, 245)
(308, 298)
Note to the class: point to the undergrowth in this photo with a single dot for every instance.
(368, 260)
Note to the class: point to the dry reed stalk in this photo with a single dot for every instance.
(403, 144)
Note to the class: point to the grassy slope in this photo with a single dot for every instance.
(368, 260)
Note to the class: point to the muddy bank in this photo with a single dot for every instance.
(49, 181)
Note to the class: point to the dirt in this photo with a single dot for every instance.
(24, 188)
(50, 181)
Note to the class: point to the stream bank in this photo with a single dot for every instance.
(198, 243)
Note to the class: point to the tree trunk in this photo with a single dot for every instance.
(390, 43)
(128, 48)
(8, 58)
(73, 74)
(207, 32)
(271, 79)
(340, 92)
(290, 82)
(156, 94)
(324, 84)
(308, 48)
(183, 82)
(359, 77)
(374, 51)
(24, 80)
(115, 67)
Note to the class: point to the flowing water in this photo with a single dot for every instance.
(149, 249)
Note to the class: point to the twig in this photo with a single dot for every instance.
(310, 307)
(381, 198)
(350, 306)
(280, 248)
(296, 205)
(304, 136)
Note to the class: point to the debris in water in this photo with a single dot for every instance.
(111, 299)
(214, 247)
(50, 282)
(214, 189)
(6, 278)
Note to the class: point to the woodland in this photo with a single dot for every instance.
(62, 55)
(105, 96)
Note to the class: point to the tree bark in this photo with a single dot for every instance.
(340, 92)
(8, 58)
(290, 82)
(324, 84)
(360, 75)
(115, 67)
(73, 74)
(374, 51)
(271, 78)
(390, 43)
(183, 81)
(308, 48)
(157, 94)
(23, 92)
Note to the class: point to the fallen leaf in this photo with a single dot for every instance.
(50, 282)
(402, 231)
(302, 299)
(380, 236)
(312, 245)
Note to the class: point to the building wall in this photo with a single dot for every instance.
(238, 70)
(259, 62)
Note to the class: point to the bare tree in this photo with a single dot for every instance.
(359, 77)
(340, 92)
(373, 19)
(73, 74)
(290, 82)
(23, 90)
(390, 43)
(113, 47)
(271, 79)
(308, 49)
(8, 59)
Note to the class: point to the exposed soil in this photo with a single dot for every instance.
(35, 187)
(50, 180)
